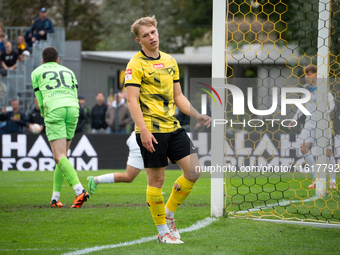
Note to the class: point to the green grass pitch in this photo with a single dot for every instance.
(118, 213)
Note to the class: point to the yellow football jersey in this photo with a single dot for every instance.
(155, 77)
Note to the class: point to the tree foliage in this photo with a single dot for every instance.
(81, 19)
(105, 25)
(20, 13)
(180, 22)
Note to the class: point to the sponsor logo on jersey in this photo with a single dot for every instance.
(128, 74)
(156, 66)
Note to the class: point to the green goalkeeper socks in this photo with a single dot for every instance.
(58, 179)
(68, 171)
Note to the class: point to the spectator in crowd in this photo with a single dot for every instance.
(98, 124)
(2, 42)
(124, 116)
(87, 111)
(41, 26)
(21, 47)
(15, 119)
(35, 117)
(9, 59)
(81, 120)
(28, 39)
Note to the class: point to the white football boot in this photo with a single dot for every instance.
(172, 226)
(167, 238)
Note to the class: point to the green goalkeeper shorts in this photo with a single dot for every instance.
(61, 123)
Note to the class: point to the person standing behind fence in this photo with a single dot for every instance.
(98, 123)
(21, 47)
(41, 26)
(9, 59)
(87, 112)
(15, 119)
(124, 116)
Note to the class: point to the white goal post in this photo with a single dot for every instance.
(218, 132)
(322, 88)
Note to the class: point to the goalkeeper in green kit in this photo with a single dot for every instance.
(55, 87)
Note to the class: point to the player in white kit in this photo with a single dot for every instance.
(308, 133)
(133, 167)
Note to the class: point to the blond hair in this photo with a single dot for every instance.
(145, 21)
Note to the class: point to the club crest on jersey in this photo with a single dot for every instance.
(157, 66)
(128, 74)
(171, 71)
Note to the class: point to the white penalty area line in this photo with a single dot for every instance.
(198, 225)
(279, 203)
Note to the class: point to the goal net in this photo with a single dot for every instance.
(275, 163)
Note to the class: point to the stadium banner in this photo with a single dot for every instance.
(28, 152)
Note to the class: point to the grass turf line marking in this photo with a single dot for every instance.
(304, 223)
(280, 203)
(198, 225)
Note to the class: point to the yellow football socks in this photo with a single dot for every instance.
(155, 200)
(180, 191)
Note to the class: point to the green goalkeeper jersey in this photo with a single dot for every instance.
(55, 86)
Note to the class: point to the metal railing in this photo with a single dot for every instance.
(13, 32)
